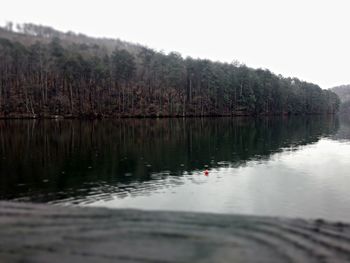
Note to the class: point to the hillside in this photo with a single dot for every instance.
(29, 34)
(343, 93)
(45, 72)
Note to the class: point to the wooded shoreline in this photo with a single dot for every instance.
(100, 116)
(47, 72)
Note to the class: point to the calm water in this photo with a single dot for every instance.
(295, 167)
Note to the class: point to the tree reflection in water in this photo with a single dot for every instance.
(83, 161)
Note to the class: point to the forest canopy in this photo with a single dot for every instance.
(44, 72)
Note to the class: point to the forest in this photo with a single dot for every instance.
(48, 73)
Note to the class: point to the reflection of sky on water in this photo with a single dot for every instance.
(293, 167)
(310, 182)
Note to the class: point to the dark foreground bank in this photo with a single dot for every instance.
(42, 233)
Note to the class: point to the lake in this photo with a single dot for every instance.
(278, 166)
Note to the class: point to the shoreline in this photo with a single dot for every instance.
(111, 117)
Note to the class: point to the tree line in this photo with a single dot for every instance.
(42, 74)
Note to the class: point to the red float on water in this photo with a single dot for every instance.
(206, 172)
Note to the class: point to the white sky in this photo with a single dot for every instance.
(308, 39)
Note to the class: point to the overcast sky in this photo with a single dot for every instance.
(308, 39)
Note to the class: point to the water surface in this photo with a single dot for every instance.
(295, 167)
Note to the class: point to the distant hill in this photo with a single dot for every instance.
(45, 73)
(343, 93)
(28, 34)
